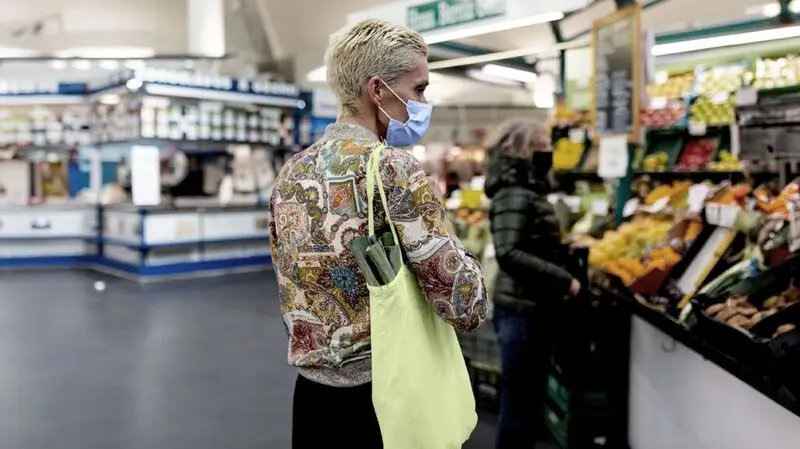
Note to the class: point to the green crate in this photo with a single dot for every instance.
(558, 426)
(558, 393)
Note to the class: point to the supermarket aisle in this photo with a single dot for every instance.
(189, 365)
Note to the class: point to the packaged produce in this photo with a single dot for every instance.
(697, 154)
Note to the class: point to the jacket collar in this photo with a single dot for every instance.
(343, 131)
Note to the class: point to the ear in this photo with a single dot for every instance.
(375, 90)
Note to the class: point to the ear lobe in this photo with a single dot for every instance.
(374, 90)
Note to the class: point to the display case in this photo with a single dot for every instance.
(48, 235)
(166, 241)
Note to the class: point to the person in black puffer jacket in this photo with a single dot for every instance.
(531, 279)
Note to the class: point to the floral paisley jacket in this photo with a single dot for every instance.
(318, 205)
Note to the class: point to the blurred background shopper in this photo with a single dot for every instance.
(532, 277)
(379, 73)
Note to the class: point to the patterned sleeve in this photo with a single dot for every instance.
(450, 277)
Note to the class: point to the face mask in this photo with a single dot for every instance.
(542, 161)
(401, 134)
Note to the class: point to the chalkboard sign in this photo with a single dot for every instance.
(617, 73)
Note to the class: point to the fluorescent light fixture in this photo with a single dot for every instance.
(480, 75)
(502, 25)
(729, 40)
(521, 76)
(109, 64)
(81, 64)
(15, 52)
(771, 10)
(134, 64)
(109, 99)
(107, 52)
(318, 75)
(58, 64)
(134, 84)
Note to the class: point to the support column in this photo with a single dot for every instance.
(205, 27)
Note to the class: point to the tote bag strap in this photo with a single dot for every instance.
(373, 175)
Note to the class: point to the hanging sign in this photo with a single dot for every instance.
(616, 42)
(440, 14)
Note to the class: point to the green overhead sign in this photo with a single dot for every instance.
(440, 14)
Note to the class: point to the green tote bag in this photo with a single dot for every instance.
(420, 385)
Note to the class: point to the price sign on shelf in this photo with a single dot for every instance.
(746, 96)
(600, 208)
(613, 157)
(697, 129)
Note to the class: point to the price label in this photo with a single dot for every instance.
(746, 96)
(697, 197)
(658, 103)
(613, 157)
(697, 129)
(600, 208)
(658, 206)
(720, 98)
(574, 203)
(577, 135)
(631, 206)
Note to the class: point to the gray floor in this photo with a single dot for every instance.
(184, 365)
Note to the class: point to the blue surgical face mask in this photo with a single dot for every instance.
(401, 134)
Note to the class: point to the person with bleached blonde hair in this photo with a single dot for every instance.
(379, 72)
(531, 278)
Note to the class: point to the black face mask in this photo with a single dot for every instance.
(542, 162)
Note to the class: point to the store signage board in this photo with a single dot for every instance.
(436, 15)
(616, 92)
(217, 82)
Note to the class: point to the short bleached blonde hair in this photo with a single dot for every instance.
(370, 48)
(519, 138)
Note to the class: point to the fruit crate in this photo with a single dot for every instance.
(587, 387)
(664, 141)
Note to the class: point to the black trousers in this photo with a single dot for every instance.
(327, 417)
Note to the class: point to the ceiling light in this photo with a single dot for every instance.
(134, 84)
(107, 52)
(134, 64)
(81, 64)
(729, 40)
(771, 10)
(15, 52)
(493, 27)
(109, 64)
(480, 75)
(522, 76)
(109, 99)
(58, 64)
(318, 75)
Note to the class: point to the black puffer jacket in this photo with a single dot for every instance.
(526, 235)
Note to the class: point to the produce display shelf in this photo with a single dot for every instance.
(755, 377)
